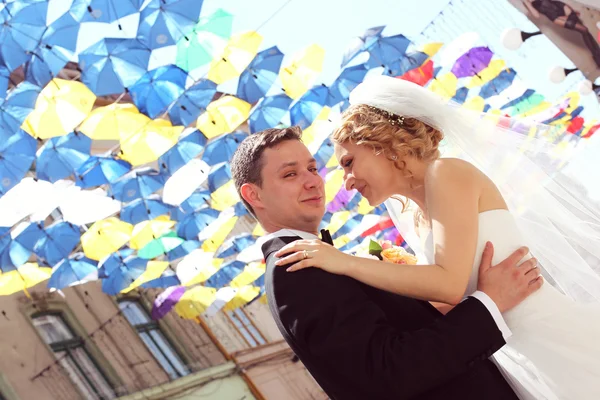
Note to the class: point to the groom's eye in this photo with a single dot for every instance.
(289, 174)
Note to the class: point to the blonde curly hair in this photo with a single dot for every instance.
(391, 135)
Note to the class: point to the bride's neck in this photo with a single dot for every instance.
(414, 189)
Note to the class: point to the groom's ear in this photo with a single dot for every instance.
(250, 192)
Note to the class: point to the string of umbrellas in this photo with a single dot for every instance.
(157, 208)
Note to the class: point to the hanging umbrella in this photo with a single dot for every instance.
(190, 144)
(4, 80)
(139, 183)
(146, 231)
(124, 274)
(361, 43)
(386, 50)
(195, 301)
(112, 65)
(12, 253)
(197, 267)
(160, 246)
(183, 249)
(498, 84)
(223, 296)
(225, 274)
(223, 116)
(237, 55)
(150, 142)
(235, 245)
(22, 200)
(208, 39)
(445, 85)
(189, 227)
(105, 237)
(461, 95)
(222, 149)
(19, 103)
(193, 101)
(157, 89)
(487, 74)
(166, 280)
(163, 23)
(75, 270)
(300, 74)
(60, 107)
(24, 277)
(420, 75)
(98, 171)
(153, 272)
(165, 301)
(259, 77)
(341, 200)
(472, 62)
(22, 25)
(348, 79)
(144, 209)
(225, 196)
(198, 199)
(219, 175)
(109, 10)
(308, 107)
(60, 157)
(17, 153)
(243, 296)
(110, 122)
(59, 240)
(184, 181)
(269, 112)
(98, 205)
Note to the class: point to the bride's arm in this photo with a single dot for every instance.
(452, 203)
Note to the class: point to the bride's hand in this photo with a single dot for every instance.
(313, 253)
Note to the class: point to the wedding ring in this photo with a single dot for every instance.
(305, 254)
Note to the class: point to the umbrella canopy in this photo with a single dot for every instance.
(259, 77)
(75, 270)
(61, 157)
(300, 74)
(166, 300)
(269, 112)
(193, 101)
(163, 23)
(26, 276)
(150, 142)
(208, 39)
(183, 249)
(153, 273)
(97, 171)
(219, 175)
(157, 89)
(194, 223)
(190, 144)
(195, 301)
(12, 253)
(498, 84)
(144, 209)
(16, 156)
(223, 116)
(235, 245)
(109, 10)
(110, 122)
(237, 55)
(58, 241)
(197, 267)
(472, 62)
(123, 274)
(420, 75)
(139, 183)
(307, 108)
(160, 246)
(105, 237)
(60, 107)
(348, 79)
(112, 65)
(243, 296)
(19, 103)
(146, 231)
(361, 43)
(386, 50)
(226, 274)
(185, 181)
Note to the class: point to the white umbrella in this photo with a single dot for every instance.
(224, 295)
(82, 207)
(185, 181)
(197, 266)
(22, 200)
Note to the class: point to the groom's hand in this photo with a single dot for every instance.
(509, 282)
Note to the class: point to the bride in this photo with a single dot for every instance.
(503, 187)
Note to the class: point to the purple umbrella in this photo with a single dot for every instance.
(341, 200)
(472, 62)
(165, 301)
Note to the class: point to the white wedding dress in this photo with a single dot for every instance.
(554, 350)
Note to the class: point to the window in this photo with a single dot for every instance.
(70, 351)
(245, 327)
(150, 333)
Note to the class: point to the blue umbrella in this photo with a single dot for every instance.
(112, 262)
(126, 272)
(269, 112)
(71, 270)
(498, 84)
(144, 209)
(17, 153)
(235, 245)
(22, 25)
(167, 279)
(198, 199)
(12, 253)
(527, 94)
(324, 153)
(189, 227)
(59, 240)
(384, 51)
(222, 149)
(61, 156)
(183, 249)
(164, 22)
(194, 100)
(256, 80)
(219, 175)
(18, 104)
(108, 11)
(350, 224)
(461, 95)
(157, 89)
(139, 183)
(29, 236)
(361, 43)
(348, 79)
(309, 106)
(4, 79)
(239, 209)
(112, 65)
(191, 143)
(409, 62)
(225, 274)
(99, 170)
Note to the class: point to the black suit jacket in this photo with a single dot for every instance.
(362, 343)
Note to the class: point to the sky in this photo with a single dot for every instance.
(294, 24)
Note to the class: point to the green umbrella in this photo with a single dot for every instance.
(160, 246)
(527, 104)
(208, 39)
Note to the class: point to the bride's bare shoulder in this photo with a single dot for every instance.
(444, 167)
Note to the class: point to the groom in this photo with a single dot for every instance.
(359, 342)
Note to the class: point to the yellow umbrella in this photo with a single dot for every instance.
(25, 276)
(146, 231)
(224, 197)
(363, 207)
(476, 103)
(259, 231)
(197, 267)
(150, 142)
(338, 220)
(108, 122)
(105, 237)
(300, 75)
(195, 301)
(251, 272)
(333, 183)
(243, 296)
(217, 239)
(318, 130)
(445, 85)
(59, 108)
(431, 49)
(223, 116)
(487, 74)
(154, 269)
(236, 56)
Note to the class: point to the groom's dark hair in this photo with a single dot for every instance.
(246, 163)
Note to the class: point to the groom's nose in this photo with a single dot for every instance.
(313, 181)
